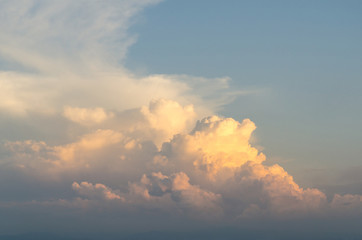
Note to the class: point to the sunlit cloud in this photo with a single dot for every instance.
(198, 170)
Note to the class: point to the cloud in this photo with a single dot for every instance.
(98, 191)
(60, 60)
(21, 93)
(41, 35)
(86, 116)
(75, 154)
(212, 169)
(177, 190)
(215, 144)
(168, 118)
(194, 195)
(278, 194)
(347, 203)
(208, 175)
(218, 153)
(134, 139)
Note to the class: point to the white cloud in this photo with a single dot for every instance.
(168, 118)
(63, 59)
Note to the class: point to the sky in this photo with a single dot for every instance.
(150, 119)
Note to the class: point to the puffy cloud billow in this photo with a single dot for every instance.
(211, 169)
(85, 140)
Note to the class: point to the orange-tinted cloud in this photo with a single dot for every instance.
(213, 168)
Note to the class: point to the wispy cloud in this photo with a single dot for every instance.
(71, 53)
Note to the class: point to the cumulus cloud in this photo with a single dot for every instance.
(218, 153)
(135, 141)
(278, 194)
(177, 191)
(215, 144)
(194, 195)
(39, 157)
(212, 170)
(168, 118)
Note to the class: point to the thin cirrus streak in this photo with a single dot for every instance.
(123, 147)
